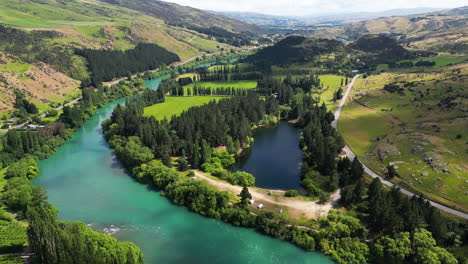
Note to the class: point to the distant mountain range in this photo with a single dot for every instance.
(442, 31)
(319, 19)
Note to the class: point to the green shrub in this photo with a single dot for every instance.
(291, 193)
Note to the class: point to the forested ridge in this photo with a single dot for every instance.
(106, 65)
(363, 54)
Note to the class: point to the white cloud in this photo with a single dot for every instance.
(305, 7)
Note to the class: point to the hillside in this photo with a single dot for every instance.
(94, 24)
(47, 34)
(42, 84)
(417, 123)
(441, 31)
(332, 55)
(186, 16)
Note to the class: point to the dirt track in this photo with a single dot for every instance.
(294, 206)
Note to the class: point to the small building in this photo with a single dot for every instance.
(194, 178)
(355, 71)
(252, 202)
(260, 206)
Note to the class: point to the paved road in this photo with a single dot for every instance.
(351, 155)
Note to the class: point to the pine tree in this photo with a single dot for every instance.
(245, 196)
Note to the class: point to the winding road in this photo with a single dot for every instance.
(20, 126)
(350, 154)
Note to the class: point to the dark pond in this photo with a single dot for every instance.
(274, 158)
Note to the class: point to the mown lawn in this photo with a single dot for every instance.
(176, 105)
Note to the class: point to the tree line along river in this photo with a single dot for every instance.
(86, 183)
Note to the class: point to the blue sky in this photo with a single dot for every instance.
(306, 7)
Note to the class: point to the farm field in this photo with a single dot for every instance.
(176, 105)
(420, 130)
(444, 61)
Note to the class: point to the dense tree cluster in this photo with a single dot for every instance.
(228, 73)
(392, 213)
(418, 247)
(219, 163)
(321, 144)
(58, 242)
(380, 49)
(41, 144)
(294, 49)
(399, 222)
(290, 92)
(196, 131)
(23, 106)
(106, 65)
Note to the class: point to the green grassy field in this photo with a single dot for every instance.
(360, 127)
(331, 84)
(15, 67)
(416, 131)
(176, 105)
(443, 61)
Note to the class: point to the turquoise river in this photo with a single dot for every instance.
(86, 183)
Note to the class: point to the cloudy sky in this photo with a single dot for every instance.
(305, 7)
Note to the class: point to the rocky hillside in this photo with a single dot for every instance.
(41, 84)
(45, 35)
(95, 24)
(442, 31)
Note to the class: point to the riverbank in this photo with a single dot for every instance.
(274, 200)
(87, 183)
